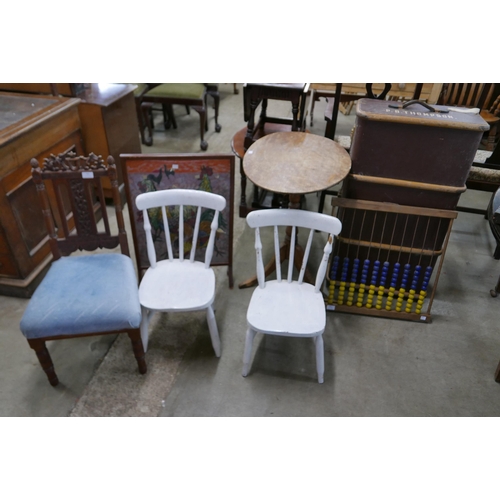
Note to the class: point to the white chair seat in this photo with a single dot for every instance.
(177, 286)
(280, 307)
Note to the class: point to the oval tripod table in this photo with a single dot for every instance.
(294, 163)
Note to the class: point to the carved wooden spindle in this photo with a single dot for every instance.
(46, 211)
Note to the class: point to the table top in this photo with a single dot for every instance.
(296, 163)
(20, 113)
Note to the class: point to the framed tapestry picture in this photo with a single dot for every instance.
(213, 173)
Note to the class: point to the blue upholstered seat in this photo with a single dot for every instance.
(84, 294)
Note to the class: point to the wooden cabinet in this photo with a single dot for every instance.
(109, 123)
(31, 126)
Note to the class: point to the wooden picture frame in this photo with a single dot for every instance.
(209, 172)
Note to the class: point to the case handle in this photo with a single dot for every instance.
(422, 103)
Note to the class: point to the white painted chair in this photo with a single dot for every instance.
(287, 307)
(178, 283)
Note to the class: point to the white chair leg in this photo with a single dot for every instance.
(248, 351)
(214, 332)
(144, 327)
(320, 357)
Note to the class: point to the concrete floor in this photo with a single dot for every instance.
(373, 366)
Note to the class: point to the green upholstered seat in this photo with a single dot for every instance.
(141, 87)
(178, 91)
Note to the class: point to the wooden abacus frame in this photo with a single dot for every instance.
(392, 294)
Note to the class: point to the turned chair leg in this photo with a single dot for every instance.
(248, 351)
(216, 97)
(148, 121)
(320, 357)
(168, 116)
(135, 338)
(45, 360)
(203, 119)
(140, 119)
(214, 332)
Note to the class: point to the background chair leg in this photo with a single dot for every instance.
(45, 360)
(214, 332)
(135, 338)
(248, 351)
(321, 202)
(148, 122)
(168, 116)
(497, 374)
(216, 97)
(320, 357)
(203, 120)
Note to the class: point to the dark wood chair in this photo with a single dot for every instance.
(484, 96)
(191, 95)
(82, 295)
(497, 373)
(255, 94)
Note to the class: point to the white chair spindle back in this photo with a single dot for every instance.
(295, 219)
(149, 239)
(277, 252)
(195, 235)
(181, 233)
(261, 278)
(306, 256)
(210, 247)
(320, 275)
(291, 257)
(167, 234)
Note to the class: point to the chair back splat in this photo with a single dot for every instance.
(291, 308)
(190, 230)
(293, 219)
(76, 184)
(187, 201)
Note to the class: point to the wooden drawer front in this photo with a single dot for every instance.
(21, 214)
(8, 267)
(4, 247)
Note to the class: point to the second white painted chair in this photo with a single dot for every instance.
(287, 307)
(180, 283)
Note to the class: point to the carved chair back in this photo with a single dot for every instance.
(76, 202)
